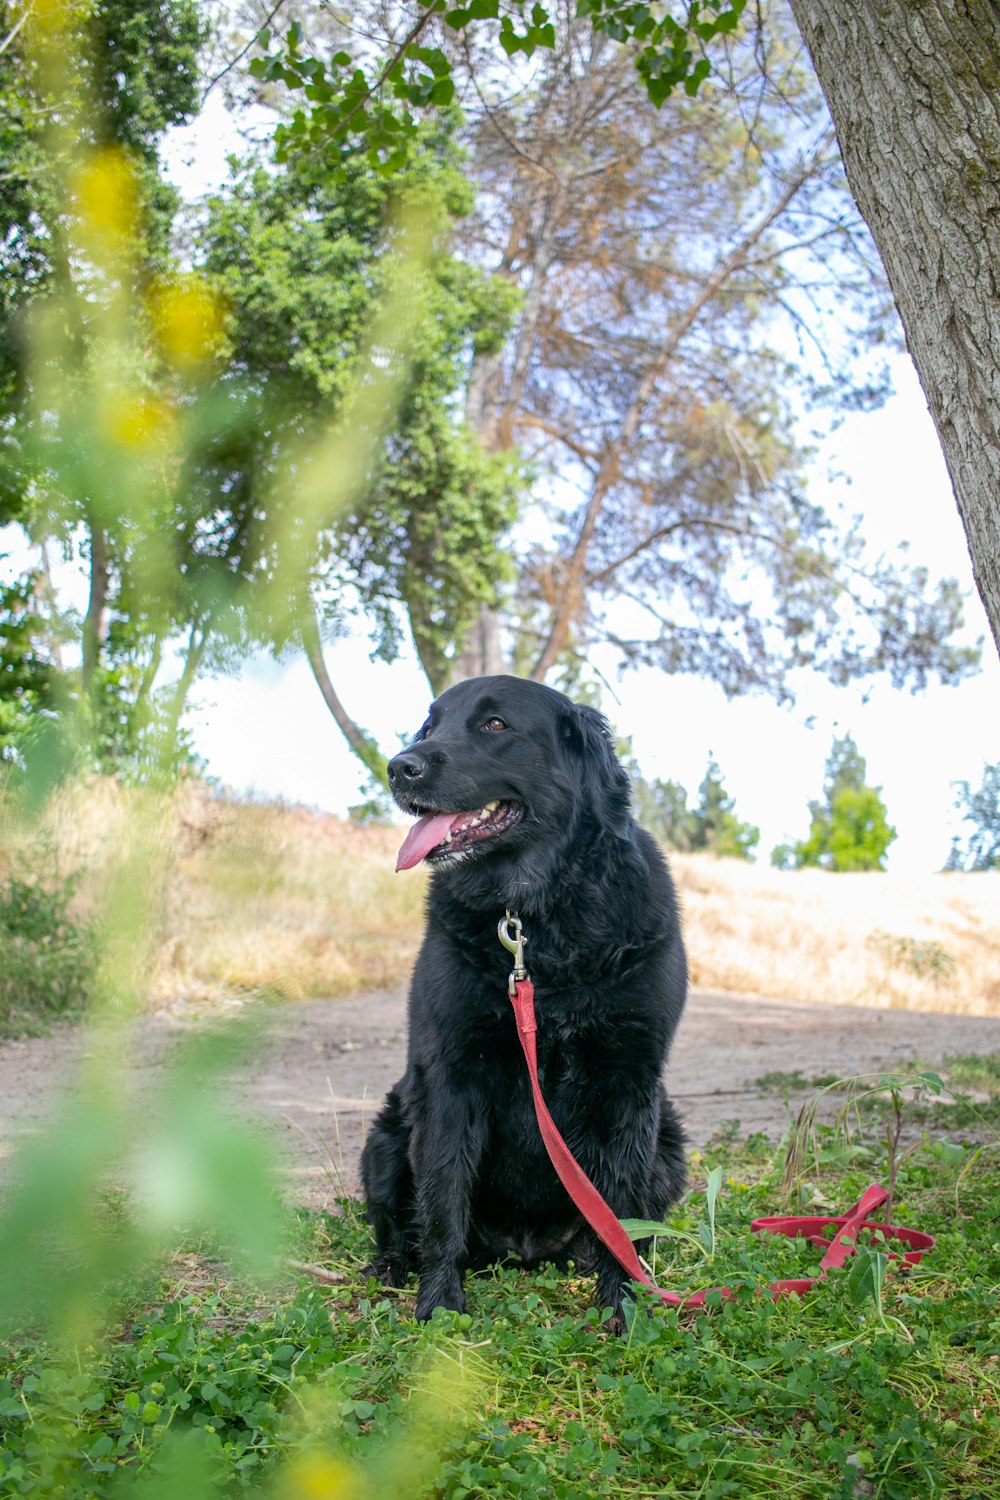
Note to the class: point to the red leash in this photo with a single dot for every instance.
(605, 1223)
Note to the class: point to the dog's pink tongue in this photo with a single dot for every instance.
(424, 836)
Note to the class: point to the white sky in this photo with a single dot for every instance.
(268, 732)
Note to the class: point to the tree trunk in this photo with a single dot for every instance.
(491, 406)
(481, 654)
(913, 86)
(364, 748)
(47, 592)
(193, 657)
(94, 619)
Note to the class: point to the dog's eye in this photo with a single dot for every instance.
(495, 723)
(424, 730)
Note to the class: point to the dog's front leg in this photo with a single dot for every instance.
(617, 1155)
(447, 1148)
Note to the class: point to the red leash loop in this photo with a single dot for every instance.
(606, 1224)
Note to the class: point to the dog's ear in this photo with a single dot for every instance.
(603, 779)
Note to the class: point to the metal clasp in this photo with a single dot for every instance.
(514, 943)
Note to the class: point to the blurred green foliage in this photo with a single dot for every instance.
(241, 451)
(47, 955)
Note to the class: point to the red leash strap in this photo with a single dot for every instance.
(606, 1225)
(572, 1176)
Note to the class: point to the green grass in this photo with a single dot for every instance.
(198, 1385)
(968, 1099)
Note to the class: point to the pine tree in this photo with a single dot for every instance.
(718, 830)
(661, 808)
(980, 808)
(850, 829)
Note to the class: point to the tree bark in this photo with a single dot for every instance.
(491, 405)
(94, 619)
(198, 639)
(913, 88)
(364, 748)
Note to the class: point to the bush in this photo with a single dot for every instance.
(46, 958)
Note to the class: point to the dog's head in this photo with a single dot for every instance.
(505, 774)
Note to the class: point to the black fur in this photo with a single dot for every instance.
(454, 1169)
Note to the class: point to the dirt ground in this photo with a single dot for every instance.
(322, 1068)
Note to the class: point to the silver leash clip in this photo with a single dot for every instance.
(514, 941)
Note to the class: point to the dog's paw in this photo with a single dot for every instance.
(390, 1270)
(445, 1291)
(617, 1308)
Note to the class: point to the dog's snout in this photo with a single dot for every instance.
(405, 769)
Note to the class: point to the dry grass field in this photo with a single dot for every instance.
(930, 942)
(284, 901)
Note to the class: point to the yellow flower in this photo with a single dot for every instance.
(134, 420)
(106, 200)
(189, 318)
(50, 15)
(317, 1477)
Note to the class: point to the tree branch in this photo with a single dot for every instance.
(408, 40)
(93, 621)
(12, 33)
(242, 53)
(586, 455)
(571, 583)
(201, 631)
(364, 748)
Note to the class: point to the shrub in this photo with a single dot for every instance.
(46, 958)
(925, 958)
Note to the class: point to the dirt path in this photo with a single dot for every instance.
(326, 1066)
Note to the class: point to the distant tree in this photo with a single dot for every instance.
(850, 829)
(427, 532)
(26, 667)
(920, 77)
(980, 808)
(661, 808)
(717, 828)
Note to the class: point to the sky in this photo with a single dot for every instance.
(268, 733)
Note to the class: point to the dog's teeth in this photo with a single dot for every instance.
(489, 807)
(474, 822)
(447, 838)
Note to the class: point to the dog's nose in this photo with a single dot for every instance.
(405, 768)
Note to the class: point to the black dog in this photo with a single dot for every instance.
(525, 806)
